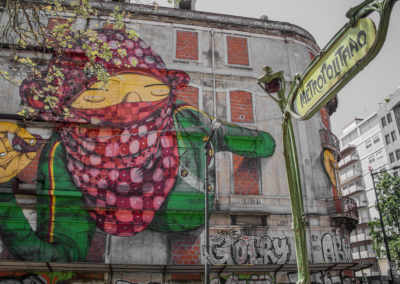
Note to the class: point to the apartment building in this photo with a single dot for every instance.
(389, 119)
(362, 146)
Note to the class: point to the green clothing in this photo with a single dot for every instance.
(68, 237)
(65, 235)
(183, 208)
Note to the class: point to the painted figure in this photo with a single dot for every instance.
(129, 158)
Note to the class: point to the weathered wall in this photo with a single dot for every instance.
(111, 190)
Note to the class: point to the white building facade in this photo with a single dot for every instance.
(362, 147)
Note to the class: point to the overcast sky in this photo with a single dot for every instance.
(323, 18)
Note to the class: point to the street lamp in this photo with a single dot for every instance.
(215, 126)
(389, 258)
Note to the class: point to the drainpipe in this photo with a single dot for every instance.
(215, 116)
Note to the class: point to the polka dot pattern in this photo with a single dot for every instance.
(125, 174)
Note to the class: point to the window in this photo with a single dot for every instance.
(387, 138)
(394, 137)
(367, 125)
(383, 120)
(371, 159)
(389, 118)
(395, 174)
(379, 155)
(346, 140)
(238, 50)
(368, 144)
(392, 159)
(398, 154)
(187, 45)
(353, 135)
(358, 182)
(376, 140)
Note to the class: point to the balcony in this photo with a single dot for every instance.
(350, 176)
(361, 204)
(363, 254)
(348, 160)
(330, 141)
(339, 207)
(360, 237)
(353, 239)
(352, 190)
(364, 220)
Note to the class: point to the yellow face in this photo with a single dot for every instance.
(126, 88)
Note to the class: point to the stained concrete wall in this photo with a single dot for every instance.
(238, 222)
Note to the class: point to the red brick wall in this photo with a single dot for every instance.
(187, 45)
(241, 104)
(53, 22)
(237, 50)
(324, 117)
(245, 173)
(29, 174)
(186, 249)
(97, 248)
(186, 276)
(110, 26)
(190, 96)
(312, 56)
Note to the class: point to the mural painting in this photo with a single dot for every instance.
(55, 277)
(231, 248)
(127, 159)
(323, 278)
(244, 279)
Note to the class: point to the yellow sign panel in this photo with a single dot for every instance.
(334, 64)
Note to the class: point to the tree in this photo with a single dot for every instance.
(35, 28)
(388, 191)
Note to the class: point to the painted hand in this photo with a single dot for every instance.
(15, 156)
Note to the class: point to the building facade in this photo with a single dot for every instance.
(389, 119)
(115, 194)
(362, 146)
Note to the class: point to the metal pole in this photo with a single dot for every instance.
(206, 210)
(294, 182)
(206, 222)
(389, 258)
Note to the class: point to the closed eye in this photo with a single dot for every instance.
(94, 99)
(160, 92)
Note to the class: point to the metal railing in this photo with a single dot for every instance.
(342, 207)
(364, 220)
(348, 160)
(352, 189)
(350, 175)
(329, 140)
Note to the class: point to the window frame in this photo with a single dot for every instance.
(376, 138)
(397, 156)
(395, 136)
(249, 53)
(387, 137)
(387, 117)
(366, 144)
(383, 121)
(390, 158)
(371, 158)
(199, 44)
